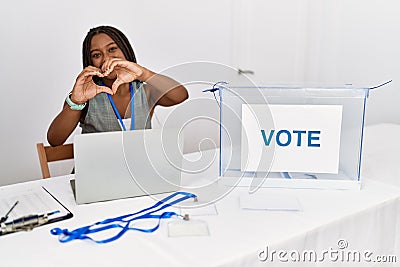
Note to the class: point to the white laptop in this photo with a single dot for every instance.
(123, 164)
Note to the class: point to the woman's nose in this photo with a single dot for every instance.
(105, 59)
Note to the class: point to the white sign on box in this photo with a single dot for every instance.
(302, 138)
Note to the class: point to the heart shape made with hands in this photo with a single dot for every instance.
(122, 73)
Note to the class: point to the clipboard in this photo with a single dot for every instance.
(31, 202)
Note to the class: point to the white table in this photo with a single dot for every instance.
(368, 220)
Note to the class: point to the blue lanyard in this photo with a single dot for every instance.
(124, 221)
(132, 109)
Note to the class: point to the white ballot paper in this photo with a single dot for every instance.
(268, 201)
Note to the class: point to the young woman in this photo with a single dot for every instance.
(113, 92)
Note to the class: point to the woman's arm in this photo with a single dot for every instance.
(63, 125)
(162, 90)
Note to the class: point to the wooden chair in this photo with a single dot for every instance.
(49, 154)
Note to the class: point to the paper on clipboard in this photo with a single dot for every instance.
(31, 201)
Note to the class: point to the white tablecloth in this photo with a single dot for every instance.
(367, 221)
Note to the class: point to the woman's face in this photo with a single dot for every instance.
(103, 48)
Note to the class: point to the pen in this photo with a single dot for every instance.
(3, 219)
(25, 223)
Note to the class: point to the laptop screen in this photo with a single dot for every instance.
(122, 164)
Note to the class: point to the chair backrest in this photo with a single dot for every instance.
(49, 154)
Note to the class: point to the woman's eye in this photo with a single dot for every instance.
(112, 49)
(96, 55)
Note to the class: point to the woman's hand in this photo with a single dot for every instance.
(123, 72)
(85, 88)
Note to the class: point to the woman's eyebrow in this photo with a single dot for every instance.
(97, 49)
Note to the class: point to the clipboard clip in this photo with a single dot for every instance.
(25, 223)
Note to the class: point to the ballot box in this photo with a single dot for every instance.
(289, 136)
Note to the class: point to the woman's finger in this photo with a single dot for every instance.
(103, 89)
(86, 73)
(105, 68)
(115, 85)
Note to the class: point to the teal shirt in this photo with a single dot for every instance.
(100, 116)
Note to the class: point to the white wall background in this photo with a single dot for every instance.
(287, 41)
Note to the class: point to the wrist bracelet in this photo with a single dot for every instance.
(73, 105)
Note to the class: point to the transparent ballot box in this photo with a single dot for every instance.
(291, 136)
